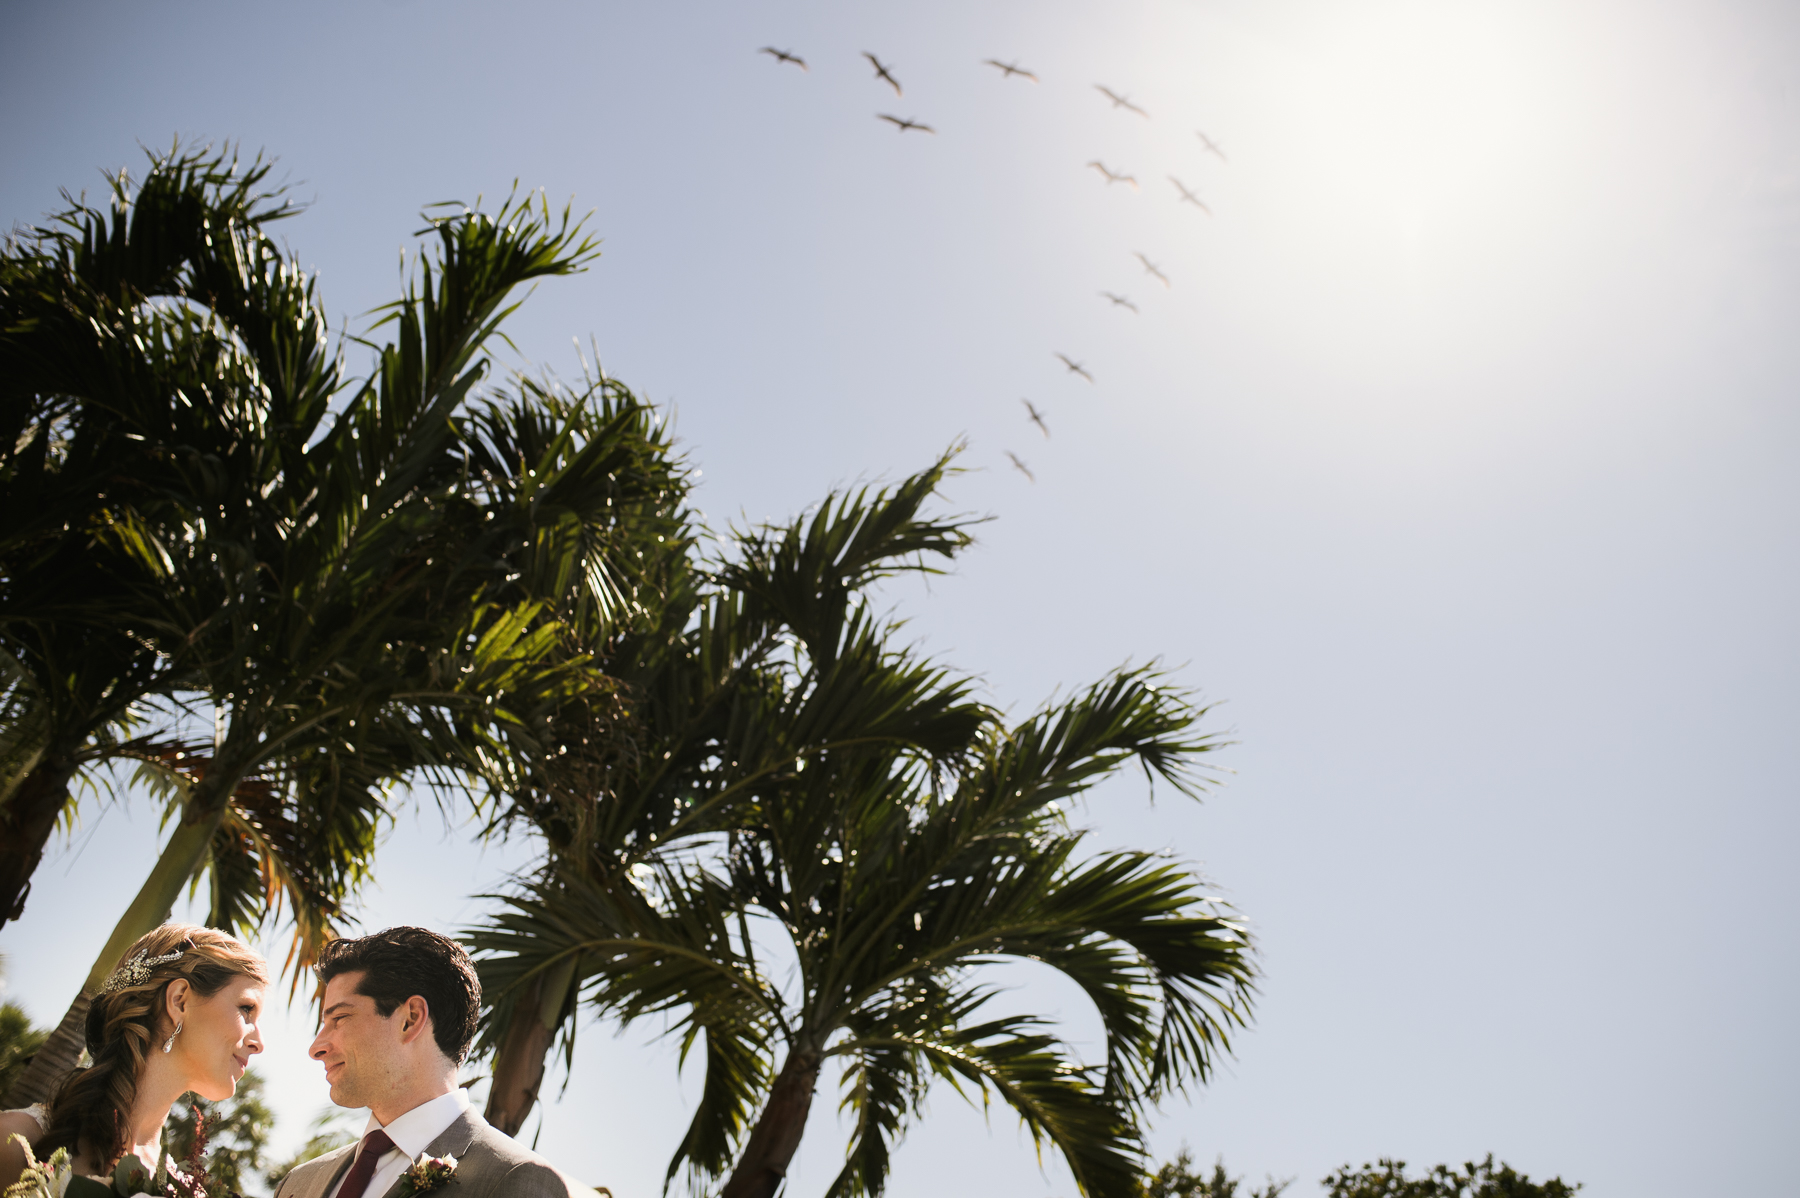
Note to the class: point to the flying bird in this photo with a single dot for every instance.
(1021, 466)
(903, 126)
(1074, 367)
(881, 72)
(1151, 267)
(1188, 197)
(1112, 177)
(1120, 301)
(1010, 69)
(1037, 417)
(1208, 142)
(1119, 101)
(785, 56)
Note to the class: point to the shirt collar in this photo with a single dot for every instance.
(413, 1132)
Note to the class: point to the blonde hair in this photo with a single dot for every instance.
(92, 1106)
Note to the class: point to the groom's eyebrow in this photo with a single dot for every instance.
(334, 1007)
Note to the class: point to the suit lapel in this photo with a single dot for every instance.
(330, 1176)
(452, 1141)
(456, 1138)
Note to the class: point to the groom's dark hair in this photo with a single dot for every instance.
(397, 963)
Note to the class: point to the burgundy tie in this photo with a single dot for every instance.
(375, 1145)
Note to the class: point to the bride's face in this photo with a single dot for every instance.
(218, 1037)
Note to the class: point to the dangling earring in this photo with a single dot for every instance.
(169, 1044)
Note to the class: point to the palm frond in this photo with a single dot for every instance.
(737, 1076)
(1126, 927)
(801, 575)
(1058, 1101)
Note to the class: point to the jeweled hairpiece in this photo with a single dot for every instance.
(136, 971)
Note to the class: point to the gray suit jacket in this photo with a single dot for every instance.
(488, 1162)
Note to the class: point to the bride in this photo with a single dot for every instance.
(180, 1014)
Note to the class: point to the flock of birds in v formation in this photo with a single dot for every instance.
(1011, 70)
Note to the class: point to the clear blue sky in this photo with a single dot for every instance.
(1458, 459)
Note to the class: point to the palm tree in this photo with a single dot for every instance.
(346, 593)
(892, 875)
(721, 708)
(108, 375)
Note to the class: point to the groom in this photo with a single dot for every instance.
(397, 1020)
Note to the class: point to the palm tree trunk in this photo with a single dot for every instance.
(764, 1163)
(519, 1065)
(26, 822)
(182, 857)
(59, 1052)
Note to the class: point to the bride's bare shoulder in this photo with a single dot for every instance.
(28, 1123)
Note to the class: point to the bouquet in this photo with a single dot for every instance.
(42, 1179)
(56, 1177)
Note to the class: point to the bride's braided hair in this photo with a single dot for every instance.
(92, 1107)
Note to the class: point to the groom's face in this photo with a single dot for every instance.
(362, 1050)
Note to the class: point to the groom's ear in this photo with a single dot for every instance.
(417, 1021)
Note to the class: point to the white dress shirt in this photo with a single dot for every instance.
(412, 1133)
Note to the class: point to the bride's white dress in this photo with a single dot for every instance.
(38, 1111)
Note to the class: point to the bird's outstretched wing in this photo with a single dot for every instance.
(1074, 366)
(1188, 197)
(1119, 301)
(1119, 101)
(1208, 143)
(1009, 68)
(903, 126)
(785, 56)
(1036, 416)
(1021, 466)
(1113, 176)
(1150, 267)
(882, 73)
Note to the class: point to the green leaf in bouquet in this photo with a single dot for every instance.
(130, 1177)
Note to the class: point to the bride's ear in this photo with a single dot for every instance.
(175, 999)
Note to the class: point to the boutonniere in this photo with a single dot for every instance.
(426, 1174)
